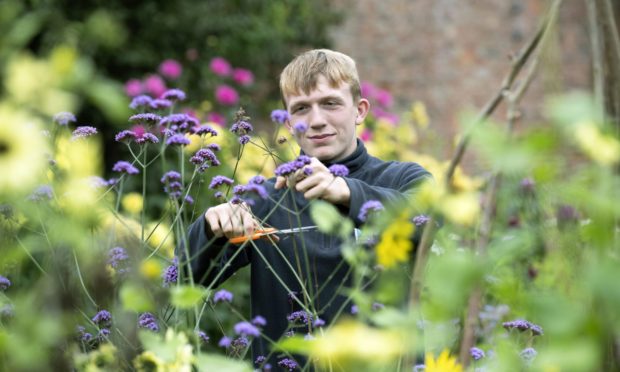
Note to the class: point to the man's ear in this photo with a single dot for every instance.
(363, 106)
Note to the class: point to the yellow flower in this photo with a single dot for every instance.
(148, 361)
(461, 208)
(22, 151)
(151, 269)
(419, 114)
(444, 363)
(350, 341)
(79, 159)
(133, 202)
(599, 147)
(395, 243)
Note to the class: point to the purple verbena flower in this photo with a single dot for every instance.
(205, 155)
(222, 296)
(43, 192)
(102, 318)
(218, 181)
(202, 336)
(300, 127)
(257, 180)
(240, 342)
(204, 129)
(160, 104)
(369, 207)
(147, 137)
(241, 127)
(280, 116)
(260, 359)
(339, 170)
(83, 132)
(259, 321)
(246, 329)
(376, 306)
(528, 354)
(288, 363)
(174, 95)
(300, 317)
(118, 259)
(354, 309)
(178, 139)
(145, 118)
(224, 342)
(148, 321)
(125, 167)
(476, 353)
(125, 136)
(188, 199)
(64, 118)
(171, 273)
(244, 139)
(141, 101)
(523, 325)
(170, 176)
(420, 220)
(103, 334)
(214, 147)
(319, 323)
(5, 283)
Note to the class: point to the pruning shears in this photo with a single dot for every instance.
(266, 232)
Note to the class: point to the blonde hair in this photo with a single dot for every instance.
(302, 73)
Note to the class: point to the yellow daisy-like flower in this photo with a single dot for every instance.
(395, 243)
(22, 151)
(133, 202)
(599, 147)
(443, 363)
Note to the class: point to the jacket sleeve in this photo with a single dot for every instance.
(406, 178)
(211, 260)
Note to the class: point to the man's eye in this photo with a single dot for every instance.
(299, 109)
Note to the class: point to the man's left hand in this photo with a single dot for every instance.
(315, 181)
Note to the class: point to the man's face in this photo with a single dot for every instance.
(331, 116)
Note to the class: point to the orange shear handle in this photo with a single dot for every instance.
(256, 235)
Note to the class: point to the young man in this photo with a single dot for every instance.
(321, 89)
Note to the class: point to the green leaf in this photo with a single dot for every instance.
(136, 298)
(214, 362)
(329, 220)
(185, 296)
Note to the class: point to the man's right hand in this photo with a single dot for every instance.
(231, 220)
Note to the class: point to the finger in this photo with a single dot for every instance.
(280, 182)
(249, 223)
(213, 220)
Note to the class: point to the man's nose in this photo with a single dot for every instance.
(316, 117)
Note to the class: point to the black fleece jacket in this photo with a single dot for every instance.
(312, 257)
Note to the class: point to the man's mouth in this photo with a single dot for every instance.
(320, 136)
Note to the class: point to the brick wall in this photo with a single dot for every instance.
(453, 54)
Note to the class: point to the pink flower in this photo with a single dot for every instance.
(155, 85)
(242, 76)
(133, 87)
(170, 69)
(368, 90)
(226, 95)
(220, 66)
(366, 135)
(139, 130)
(384, 98)
(216, 118)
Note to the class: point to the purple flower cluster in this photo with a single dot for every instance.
(64, 118)
(171, 273)
(128, 136)
(420, 220)
(103, 318)
(204, 129)
(83, 335)
(174, 95)
(5, 283)
(147, 118)
(476, 353)
(222, 296)
(141, 101)
(178, 139)
(172, 184)
(280, 116)
(148, 321)
(240, 343)
(218, 181)
(523, 325)
(204, 158)
(103, 334)
(291, 167)
(242, 129)
(300, 127)
(160, 104)
(319, 323)
(177, 122)
(118, 259)
(246, 329)
(369, 207)
(147, 137)
(202, 336)
(289, 364)
(528, 354)
(83, 132)
(125, 167)
(339, 170)
(300, 317)
(260, 359)
(43, 192)
(225, 342)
